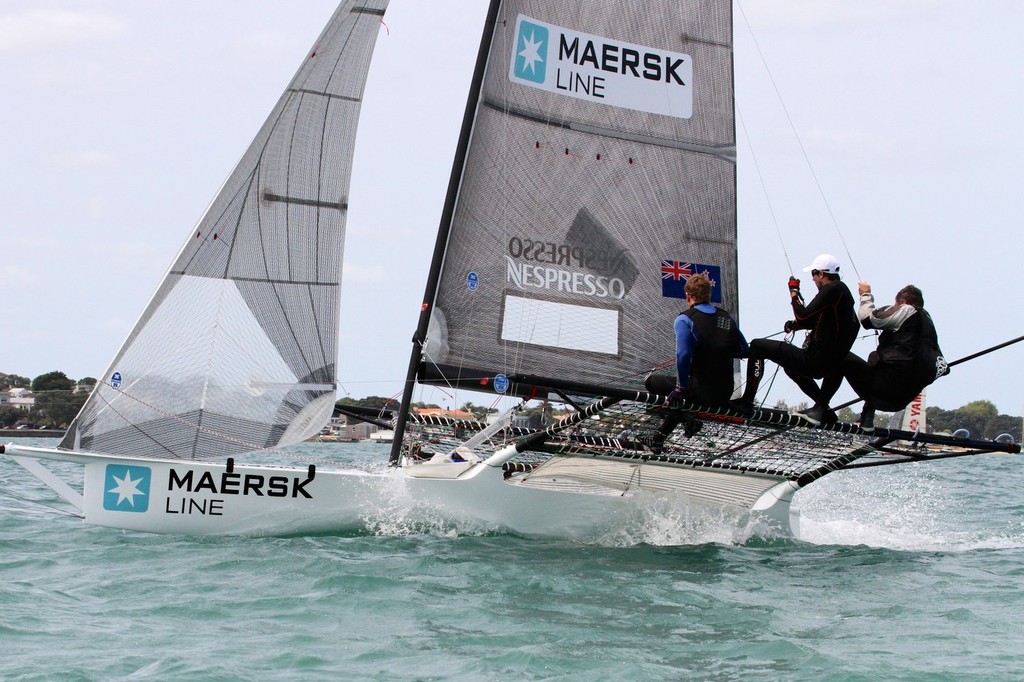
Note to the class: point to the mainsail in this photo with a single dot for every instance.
(237, 350)
(600, 174)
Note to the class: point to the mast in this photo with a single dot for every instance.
(448, 211)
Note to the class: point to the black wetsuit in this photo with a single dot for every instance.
(833, 323)
(908, 358)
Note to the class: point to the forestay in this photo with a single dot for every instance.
(600, 174)
(237, 350)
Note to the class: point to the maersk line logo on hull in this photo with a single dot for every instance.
(126, 488)
(601, 70)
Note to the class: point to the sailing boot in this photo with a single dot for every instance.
(816, 415)
(745, 405)
(867, 419)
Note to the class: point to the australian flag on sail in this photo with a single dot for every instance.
(674, 274)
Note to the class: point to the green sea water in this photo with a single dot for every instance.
(903, 573)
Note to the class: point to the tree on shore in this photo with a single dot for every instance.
(58, 408)
(14, 381)
(980, 417)
(9, 416)
(374, 402)
(52, 381)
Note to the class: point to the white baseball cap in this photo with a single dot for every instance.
(826, 263)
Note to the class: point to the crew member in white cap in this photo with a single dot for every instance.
(833, 326)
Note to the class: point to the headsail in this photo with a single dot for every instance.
(600, 173)
(238, 347)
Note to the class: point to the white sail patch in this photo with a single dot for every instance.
(560, 325)
(601, 70)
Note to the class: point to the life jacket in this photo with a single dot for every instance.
(711, 370)
(914, 348)
(898, 347)
(929, 364)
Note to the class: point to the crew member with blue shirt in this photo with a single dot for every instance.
(707, 341)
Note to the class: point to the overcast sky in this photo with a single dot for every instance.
(121, 119)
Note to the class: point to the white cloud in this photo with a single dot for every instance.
(267, 46)
(33, 242)
(16, 273)
(86, 159)
(847, 143)
(39, 30)
(364, 273)
(808, 13)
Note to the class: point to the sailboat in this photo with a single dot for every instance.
(595, 172)
(237, 350)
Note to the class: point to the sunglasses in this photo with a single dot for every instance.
(815, 273)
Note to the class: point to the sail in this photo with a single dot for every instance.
(600, 175)
(237, 350)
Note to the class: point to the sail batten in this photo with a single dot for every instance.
(316, 93)
(317, 203)
(727, 152)
(266, 280)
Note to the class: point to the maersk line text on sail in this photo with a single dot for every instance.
(602, 70)
(615, 59)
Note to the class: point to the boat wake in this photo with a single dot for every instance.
(919, 509)
(667, 522)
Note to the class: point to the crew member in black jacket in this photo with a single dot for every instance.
(908, 357)
(832, 322)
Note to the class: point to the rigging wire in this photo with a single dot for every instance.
(803, 150)
(764, 189)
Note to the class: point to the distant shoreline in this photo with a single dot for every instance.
(30, 433)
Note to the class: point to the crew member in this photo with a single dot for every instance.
(707, 341)
(832, 322)
(907, 359)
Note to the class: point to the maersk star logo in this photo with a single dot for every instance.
(126, 488)
(531, 52)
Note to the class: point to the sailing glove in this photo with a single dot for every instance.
(794, 289)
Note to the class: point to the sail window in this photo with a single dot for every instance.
(560, 325)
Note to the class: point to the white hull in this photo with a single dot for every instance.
(580, 498)
(574, 499)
